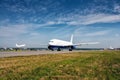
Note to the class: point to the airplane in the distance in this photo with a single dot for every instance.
(19, 46)
(111, 48)
(60, 44)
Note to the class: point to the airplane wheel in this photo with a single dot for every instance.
(58, 49)
(70, 49)
(52, 49)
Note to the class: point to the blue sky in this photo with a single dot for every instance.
(35, 22)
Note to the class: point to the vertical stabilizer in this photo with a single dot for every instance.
(71, 40)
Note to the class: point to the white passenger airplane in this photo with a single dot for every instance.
(111, 48)
(19, 46)
(59, 44)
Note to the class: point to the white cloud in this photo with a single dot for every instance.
(117, 35)
(12, 30)
(103, 18)
(73, 23)
(50, 23)
(90, 32)
(77, 19)
(94, 18)
(117, 8)
(98, 33)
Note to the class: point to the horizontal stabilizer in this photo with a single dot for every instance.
(87, 43)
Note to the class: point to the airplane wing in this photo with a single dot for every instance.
(87, 43)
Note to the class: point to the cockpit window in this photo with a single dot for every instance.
(50, 41)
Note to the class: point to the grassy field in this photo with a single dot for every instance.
(92, 65)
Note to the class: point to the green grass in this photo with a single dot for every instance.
(92, 65)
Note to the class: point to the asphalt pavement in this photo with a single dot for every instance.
(28, 53)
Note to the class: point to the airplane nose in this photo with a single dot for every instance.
(49, 43)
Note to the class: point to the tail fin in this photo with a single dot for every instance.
(71, 40)
(16, 44)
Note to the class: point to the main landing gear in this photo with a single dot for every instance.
(70, 49)
(58, 49)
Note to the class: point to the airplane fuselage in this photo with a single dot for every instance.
(59, 44)
(20, 45)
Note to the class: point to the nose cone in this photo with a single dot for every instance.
(50, 42)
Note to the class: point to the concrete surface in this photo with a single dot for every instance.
(27, 53)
